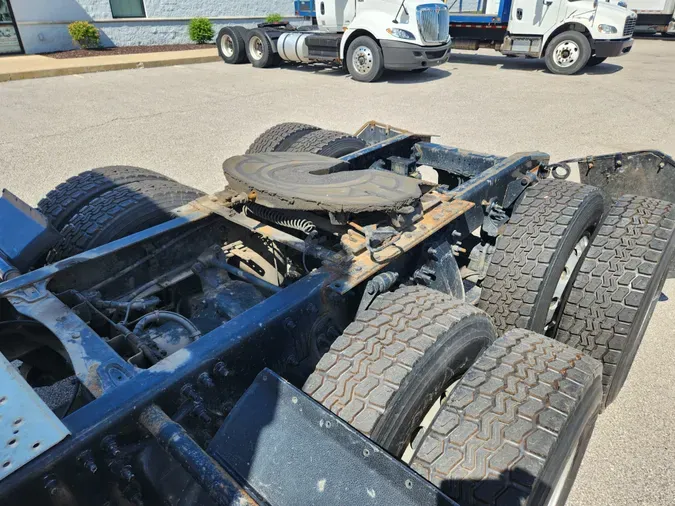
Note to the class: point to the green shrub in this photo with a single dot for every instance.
(84, 34)
(201, 30)
(273, 18)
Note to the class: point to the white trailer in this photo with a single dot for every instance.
(654, 16)
(365, 36)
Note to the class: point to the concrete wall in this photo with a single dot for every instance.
(43, 24)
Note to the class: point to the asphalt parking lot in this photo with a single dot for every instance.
(184, 121)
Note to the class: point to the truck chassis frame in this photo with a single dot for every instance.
(270, 339)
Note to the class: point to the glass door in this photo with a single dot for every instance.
(9, 36)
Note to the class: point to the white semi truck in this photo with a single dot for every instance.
(568, 34)
(365, 36)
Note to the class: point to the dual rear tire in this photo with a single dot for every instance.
(514, 427)
(100, 205)
(231, 43)
(303, 138)
(591, 283)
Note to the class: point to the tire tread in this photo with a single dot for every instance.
(106, 216)
(365, 367)
(502, 420)
(523, 252)
(602, 308)
(279, 137)
(61, 203)
(322, 142)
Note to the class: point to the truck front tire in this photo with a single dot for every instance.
(364, 59)
(568, 53)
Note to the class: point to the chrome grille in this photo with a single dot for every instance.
(433, 22)
(629, 27)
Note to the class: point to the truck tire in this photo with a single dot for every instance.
(515, 428)
(327, 143)
(386, 370)
(279, 137)
(595, 60)
(567, 53)
(619, 283)
(259, 49)
(539, 253)
(120, 212)
(231, 44)
(60, 204)
(364, 59)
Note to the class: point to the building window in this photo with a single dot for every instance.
(127, 8)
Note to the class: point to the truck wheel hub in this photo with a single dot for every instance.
(362, 60)
(255, 47)
(566, 53)
(227, 46)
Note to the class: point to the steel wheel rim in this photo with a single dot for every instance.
(227, 45)
(255, 47)
(570, 265)
(566, 53)
(362, 60)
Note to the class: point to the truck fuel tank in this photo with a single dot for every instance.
(293, 47)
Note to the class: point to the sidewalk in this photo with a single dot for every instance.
(32, 66)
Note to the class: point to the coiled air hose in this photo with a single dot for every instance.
(280, 217)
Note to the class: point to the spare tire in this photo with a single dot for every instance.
(327, 143)
(120, 212)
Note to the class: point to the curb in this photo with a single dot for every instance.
(103, 67)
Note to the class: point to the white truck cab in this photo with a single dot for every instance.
(365, 36)
(569, 34)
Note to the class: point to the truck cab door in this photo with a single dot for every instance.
(335, 14)
(534, 17)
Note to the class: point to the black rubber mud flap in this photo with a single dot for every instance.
(646, 173)
(290, 450)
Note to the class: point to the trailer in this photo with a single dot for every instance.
(654, 16)
(354, 319)
(365, 37)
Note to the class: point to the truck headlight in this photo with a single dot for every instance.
(607, 29)
(401, 34)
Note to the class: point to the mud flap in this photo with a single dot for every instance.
(290, 450)
(646, 173)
